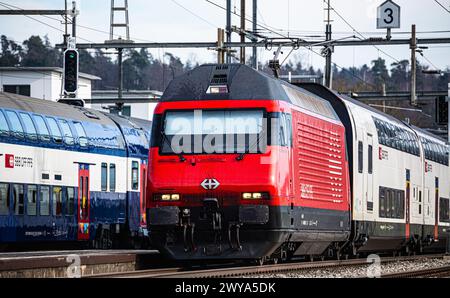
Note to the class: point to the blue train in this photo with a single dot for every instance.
(71, 174)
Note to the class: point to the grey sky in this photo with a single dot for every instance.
(160, 21)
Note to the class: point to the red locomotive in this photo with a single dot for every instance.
(245, 166)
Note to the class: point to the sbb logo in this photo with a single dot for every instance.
(9, 161)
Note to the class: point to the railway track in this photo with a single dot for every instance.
(443, 271)
(253, 270)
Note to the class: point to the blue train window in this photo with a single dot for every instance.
(4, 128)
(112, 177)
(44, 134)
(68, 137)
(135, 175)
(29, 126)
(54, 129)
(104, 176)
(31, 200)
(16, 126)
(4, 203)
(18, 195)
(70, 201)
(44, 195)
(83, 140)
(57, 201)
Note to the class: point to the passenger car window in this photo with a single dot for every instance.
(83, 141)
(360, 157)
(31, 200)
(4, 197)
(54, 129)
(4, 128)
(135, 175)
(44, 199)
(18, 202)
(112, 177)
(29, 126)
(43, 132)
(57, 200)
(104, 176)
(16, 126)
(70, 201)
(67, 133)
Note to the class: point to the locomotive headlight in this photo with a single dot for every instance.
(255, 195)
(247, 195)
(167, 197)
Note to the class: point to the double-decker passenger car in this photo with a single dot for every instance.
(400, 180)
(70, 174)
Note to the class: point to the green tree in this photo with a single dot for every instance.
(40, 53)
(379, 72)
(399, 76)
(11, 52)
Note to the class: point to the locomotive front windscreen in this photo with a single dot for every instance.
(214, 131)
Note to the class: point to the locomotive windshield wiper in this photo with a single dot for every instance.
(250, 148)
(166, 140)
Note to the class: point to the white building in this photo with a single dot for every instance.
(46, 83)
(41, 82)
(137, 103)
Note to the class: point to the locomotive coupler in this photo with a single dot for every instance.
(236, 227)
(188, 231)
(188, 237)
(212, 214)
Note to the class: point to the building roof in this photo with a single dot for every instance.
(47, 69)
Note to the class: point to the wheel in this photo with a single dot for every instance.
(261, 261)
(275, 260)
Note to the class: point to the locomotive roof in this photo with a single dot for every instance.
(51, 108)
(243, 83)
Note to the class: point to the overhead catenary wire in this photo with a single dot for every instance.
(441, 5)
(310, 49)
(359, 33)
(429, 61)
(8, 6)
(194, 14)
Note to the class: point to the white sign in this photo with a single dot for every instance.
(71, 43)
(388, 15)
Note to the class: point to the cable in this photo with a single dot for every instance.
(82, 26)
(429, 61)
(310, 49)
(8, 6)
(353, 28)
(247, 19)
(194, 14)
(440, 4)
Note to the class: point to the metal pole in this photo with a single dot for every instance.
(448, 102)
(220, 52)
(119, 105)
(255, 17)
(328, 79)
(66, 33)
(74, 19)
(413, 48)
(228, 29)
(242, 59)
